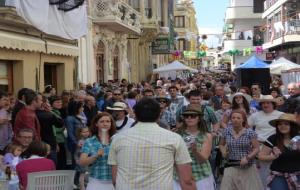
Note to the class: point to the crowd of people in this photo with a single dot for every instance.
(197, 133)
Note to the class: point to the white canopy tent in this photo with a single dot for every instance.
(174, 66)
(172, 69)
(282, 64)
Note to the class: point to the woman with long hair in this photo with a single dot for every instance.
(285, 167)
(73, 122)
(199, 141)
(239, 101)
(239, 146)
(94, 152)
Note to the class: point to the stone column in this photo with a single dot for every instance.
(142, 8)
(165, 15)
(154, 10)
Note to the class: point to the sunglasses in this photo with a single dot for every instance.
(162, 102)
(193, 116)
(117, 94)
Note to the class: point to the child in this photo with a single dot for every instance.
(82, 135)
(12, 158)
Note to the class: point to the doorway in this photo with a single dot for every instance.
(100, 62)
(116, 64)
(50, 75)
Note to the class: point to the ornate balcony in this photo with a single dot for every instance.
(116, 15)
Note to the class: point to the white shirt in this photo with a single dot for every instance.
(261, 122)
(129, 123)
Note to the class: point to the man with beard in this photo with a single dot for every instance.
(119, 112)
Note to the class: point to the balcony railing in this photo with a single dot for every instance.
(269, 3)
(291, 27)
(116, 12)
(255, 36)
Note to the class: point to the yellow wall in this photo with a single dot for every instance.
(26, 64)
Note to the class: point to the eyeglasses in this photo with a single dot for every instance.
(254, 88)
(193, 116)
(26, 137)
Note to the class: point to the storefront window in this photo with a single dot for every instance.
(6, 76)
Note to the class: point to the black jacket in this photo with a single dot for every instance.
(47, 121)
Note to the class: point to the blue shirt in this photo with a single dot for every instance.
(99, 169)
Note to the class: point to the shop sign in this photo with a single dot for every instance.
(161, 46)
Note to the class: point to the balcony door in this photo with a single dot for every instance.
(100, 62)
(116, 64)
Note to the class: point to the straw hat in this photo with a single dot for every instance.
(191, 109)
(118, 106)
(246, 96)
(291, 118)
(267, 98)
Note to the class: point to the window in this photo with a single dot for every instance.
(258, 6)
(258, 37)
(6, 76)
(179, 22)
(181, 44)
(135, 4)
(148, 9)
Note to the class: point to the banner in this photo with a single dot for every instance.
(69, 22)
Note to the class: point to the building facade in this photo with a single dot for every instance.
(32, 59)
(187, 35)
(119, 42)
(242, 32)
(282, 29)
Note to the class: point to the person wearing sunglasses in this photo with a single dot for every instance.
(196, 135)
(117, 96)
(256, 94)
(165, 119)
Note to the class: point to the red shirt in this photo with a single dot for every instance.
(26, 118)
(33, 165)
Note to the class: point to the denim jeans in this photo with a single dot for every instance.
(280, 183)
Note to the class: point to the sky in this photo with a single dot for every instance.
(210, 18)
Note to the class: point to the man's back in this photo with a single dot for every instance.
(145, 156)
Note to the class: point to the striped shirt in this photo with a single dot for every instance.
(99, 169)
(145, 156)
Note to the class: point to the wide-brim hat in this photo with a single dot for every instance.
(246, 96)
(291, 118)
(266, 98)
(118, 106)
(191, 109)
(158, 98)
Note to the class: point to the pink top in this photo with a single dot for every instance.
(33, 165)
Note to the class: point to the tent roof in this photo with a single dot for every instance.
(253, 63)
(282, 64)
(174, 66)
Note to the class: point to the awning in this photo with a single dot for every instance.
(16, 41)
(24, 42)
(59, 48)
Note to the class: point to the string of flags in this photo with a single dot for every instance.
(245, 51)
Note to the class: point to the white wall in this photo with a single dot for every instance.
(234, 3)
